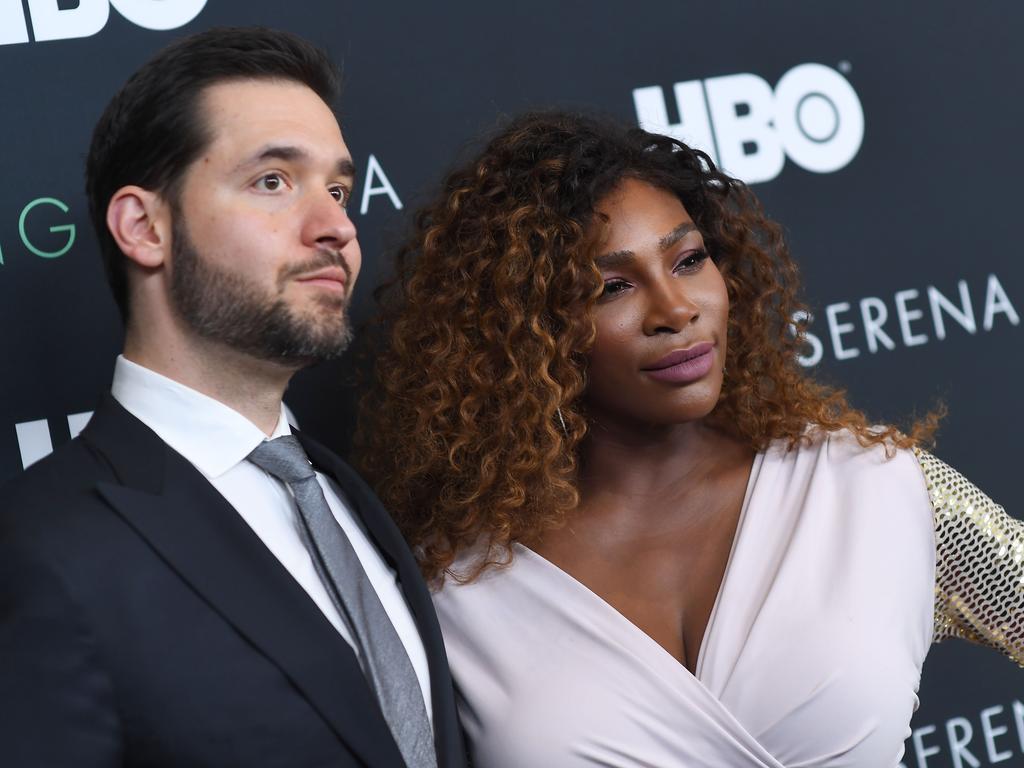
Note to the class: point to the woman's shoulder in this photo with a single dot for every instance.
(835, 469)
(846, 453)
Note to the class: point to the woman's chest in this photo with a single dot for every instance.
(660, 564)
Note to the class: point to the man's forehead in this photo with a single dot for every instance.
(247, 117)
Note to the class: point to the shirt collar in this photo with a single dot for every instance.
(211, 435)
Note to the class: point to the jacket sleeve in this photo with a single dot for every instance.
(979, 568)
(56, 701)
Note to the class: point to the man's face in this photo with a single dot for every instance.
(264, 254)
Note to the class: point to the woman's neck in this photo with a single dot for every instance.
(645, 460)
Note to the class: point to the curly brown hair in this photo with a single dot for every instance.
(471, 434)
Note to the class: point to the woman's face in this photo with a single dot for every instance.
(661, 322)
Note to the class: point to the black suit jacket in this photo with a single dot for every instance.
(142, 622)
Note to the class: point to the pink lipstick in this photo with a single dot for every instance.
(684, 365)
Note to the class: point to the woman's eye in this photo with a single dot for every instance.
(692, 261)
(272, 182)
(340, 193)
(613, 287)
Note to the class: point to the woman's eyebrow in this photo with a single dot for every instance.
(621, 258)
(677, 234)
(614, 259)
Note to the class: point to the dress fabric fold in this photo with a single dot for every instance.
(812, 656)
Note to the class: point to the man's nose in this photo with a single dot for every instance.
(328, 222)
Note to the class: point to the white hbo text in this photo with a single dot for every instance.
(51, 22)
(813, 116)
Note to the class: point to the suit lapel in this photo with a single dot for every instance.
(389, 541)
(199, 535)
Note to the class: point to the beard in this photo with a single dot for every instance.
(233, 310)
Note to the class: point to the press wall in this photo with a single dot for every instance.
(885, 137)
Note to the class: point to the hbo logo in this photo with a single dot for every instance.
(51, 22)
(813, 116)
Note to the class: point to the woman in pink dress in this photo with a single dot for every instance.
(655, 540)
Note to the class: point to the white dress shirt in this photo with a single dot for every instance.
(216, 439)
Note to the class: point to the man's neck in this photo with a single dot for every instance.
(253, 388)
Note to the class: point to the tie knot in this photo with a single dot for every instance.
(284, 458)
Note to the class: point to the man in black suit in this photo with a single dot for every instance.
(186, 583)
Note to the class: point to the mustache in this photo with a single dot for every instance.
(324, 258)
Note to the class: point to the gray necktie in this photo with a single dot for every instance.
(380, 650)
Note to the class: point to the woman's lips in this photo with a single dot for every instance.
(685, 365)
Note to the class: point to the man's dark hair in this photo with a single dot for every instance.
(153, 129)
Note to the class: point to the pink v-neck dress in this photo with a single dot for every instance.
(812, 656)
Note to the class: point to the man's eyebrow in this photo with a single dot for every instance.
(345, 167)
(293, 154)
(676, 235)
(288, 154)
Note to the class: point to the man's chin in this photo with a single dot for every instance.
(315, 302)
(320, 347)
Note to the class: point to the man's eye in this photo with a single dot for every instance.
(341, 194)
(272, 182)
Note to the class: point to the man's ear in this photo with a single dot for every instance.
(140, 222)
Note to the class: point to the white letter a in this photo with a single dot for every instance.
(373, 170)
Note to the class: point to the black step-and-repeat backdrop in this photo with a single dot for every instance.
(885, 137)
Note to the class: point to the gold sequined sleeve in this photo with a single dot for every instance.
(979, 568)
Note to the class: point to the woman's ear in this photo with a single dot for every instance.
(139, 221)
